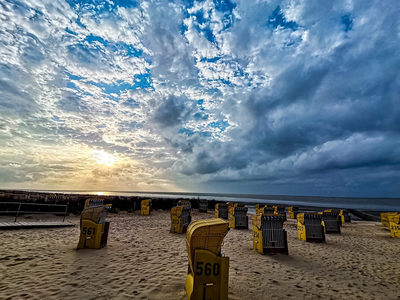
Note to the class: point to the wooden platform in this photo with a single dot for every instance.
(31, 225)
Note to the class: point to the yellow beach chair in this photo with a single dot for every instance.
(331, 221)
(238, 217)
(268, 234)
(394, 225)
(292, 212)
(145, 207)
(310, 227)
(94, 228)
(203, 206)
(180, 218)
(208, 271)
(221, 211)
(184, 203)
(384, 218)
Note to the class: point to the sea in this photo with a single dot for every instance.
(363, 204)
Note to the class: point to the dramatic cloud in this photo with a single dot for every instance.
(286, 97)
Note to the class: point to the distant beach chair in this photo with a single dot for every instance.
(221, 211)
(203, 206)
(208, 271)
(184, 203)
(268, 234)
(94, 202)
(384, 218)
(331, 221)
(292, 212)
(266, 210)
(180, 218)
(145, 207)
(394, 225)
(344, 216)
(310, 227)
(238, 217)
(94, 228)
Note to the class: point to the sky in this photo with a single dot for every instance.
(297, 97)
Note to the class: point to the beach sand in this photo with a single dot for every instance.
(143, 260)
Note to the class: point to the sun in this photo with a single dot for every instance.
(103, 158)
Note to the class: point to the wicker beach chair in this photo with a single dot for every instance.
(203, 206)
(221, 211)
(184, 203)
(331, 221)
(94, 228)
(344, 216)
(292, 212)
(268, 234)
(145, 207)
(238, 217)
(394, 225)
(180, 218)
(208, 271)
(310, 227)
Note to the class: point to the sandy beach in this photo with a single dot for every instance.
(144, 261)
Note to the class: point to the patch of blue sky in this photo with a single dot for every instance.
(208, 34)
(70, 31)
(113, 88)
(224, 5)
(200, 16)
(200, 116)
(187, 131)
(200, 102)
(71, 85)
(221, 125)
(101, 126)
(79, 23)
(94, 38)
(74, 77)
(212, 60)
(143, 81)
(347, 22)
(183, 28)
(277, 19)
(128, 50)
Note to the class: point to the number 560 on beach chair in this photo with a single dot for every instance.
(94, 228)
(208, 271)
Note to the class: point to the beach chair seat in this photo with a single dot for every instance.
(208, 271)
(145, 207)
(221, 211)
(269, 237)
(93, 228)
(292, 212)
(238, 217)
(394, 225)
(203, 206)
(180, 218)
(266, 210)
(331, 221)
(310, 227)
